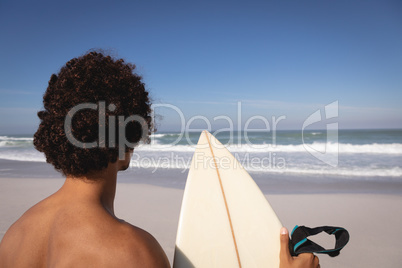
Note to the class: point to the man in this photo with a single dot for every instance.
(95, 111)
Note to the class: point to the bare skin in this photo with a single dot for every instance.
(304, 260)
(76, 227)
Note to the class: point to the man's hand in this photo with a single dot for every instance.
(304, 260)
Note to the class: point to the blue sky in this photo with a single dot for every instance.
(278, 58)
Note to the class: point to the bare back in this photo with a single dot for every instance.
(54, 233)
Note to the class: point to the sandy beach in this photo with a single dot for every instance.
(372, 218)
(306, 95)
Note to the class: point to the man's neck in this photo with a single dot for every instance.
(98, 188)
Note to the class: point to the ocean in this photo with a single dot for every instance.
(346, 154)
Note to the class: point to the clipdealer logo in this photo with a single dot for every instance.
(115, 129)
(329, 154)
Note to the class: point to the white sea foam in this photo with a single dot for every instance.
(11, 143)
(156, 147)
(162, 135)
(6, 138)
(6, 141)
(366, 160)
(393, 149)
(351, 172)
(31, 155)
(184, 164)
(157, 135)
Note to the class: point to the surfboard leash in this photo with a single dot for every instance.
(300, 244)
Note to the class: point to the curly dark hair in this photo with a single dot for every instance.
(92, 78)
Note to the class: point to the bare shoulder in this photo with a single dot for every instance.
(63, 237)
(9, 243)
(141, 248)
(26, 238)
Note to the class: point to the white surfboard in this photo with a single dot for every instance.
(225, 220)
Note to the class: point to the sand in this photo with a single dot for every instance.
(373, 220)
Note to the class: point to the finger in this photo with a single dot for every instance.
(307, 258)
(316, 262)
(285, 253)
